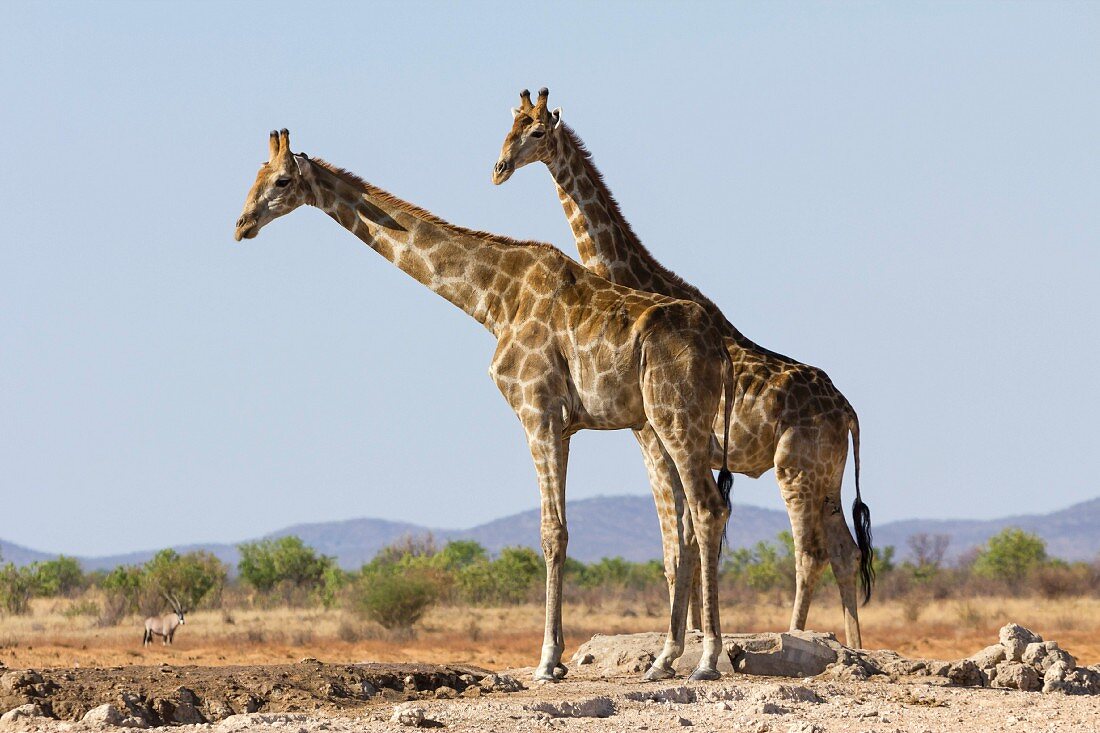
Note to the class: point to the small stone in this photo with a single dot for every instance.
(586, 658)
(16, 680)
(445, 693)
(472, 691)
(964, 673)
(30, 710)
(1041, 655)
(367, 689)
(408, 715)
(1015, 638)
(990, 657)
(683, 722)
(770, 708)
(1016, 676)
(1061, 678)
(105, 714)
(309, 660)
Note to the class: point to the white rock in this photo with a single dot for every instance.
(30, 710)
(408, 714)
(105, 714)
(990, 657)
(1015, 638)
(1016, 676)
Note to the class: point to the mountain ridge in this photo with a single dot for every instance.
(626, 526)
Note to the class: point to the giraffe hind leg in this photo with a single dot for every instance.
(678, 545)
(810, 553)
(845, 557)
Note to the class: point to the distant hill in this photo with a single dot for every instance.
(1071, 534)
(626, 526)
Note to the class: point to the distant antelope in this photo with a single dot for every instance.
(164, 626)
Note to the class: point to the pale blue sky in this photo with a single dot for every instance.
(905, 195)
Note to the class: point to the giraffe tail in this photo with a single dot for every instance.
(861, 517)
(725, 476)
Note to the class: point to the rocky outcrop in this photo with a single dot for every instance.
(1020, 661)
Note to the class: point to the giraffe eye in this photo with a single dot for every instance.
(282, 182)
(537, 133)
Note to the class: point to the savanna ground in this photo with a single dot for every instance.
(511, 636)
(272, 644)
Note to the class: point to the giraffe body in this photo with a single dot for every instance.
(574, 352)
(786, 414)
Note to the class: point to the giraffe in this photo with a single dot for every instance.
(574, 352)
(786, 414)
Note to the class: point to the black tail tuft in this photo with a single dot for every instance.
(861, 517)
(725, 488)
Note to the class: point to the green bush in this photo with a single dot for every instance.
(60, 577)
(459, 554)
(285, 560)
(1010, 555)
(123, 587)
(394, 597)
(188, 578)
(766, 566)
(615, 572)
(16, 589)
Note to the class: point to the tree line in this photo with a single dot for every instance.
(405, 579)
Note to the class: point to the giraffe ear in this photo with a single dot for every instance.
(555, 118)
(303, 164)
(515, 112)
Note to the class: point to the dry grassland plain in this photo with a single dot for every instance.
(510, 637)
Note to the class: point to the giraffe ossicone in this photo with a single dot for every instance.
(574, 352)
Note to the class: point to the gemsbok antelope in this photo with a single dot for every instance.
(164, 626)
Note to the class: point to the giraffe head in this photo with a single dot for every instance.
(531, 136)
(281, 186)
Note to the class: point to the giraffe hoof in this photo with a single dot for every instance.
(560, 671)
(656, 674)
(545, 676)
(705, 674)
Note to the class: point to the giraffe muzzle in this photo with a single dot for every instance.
(246, 229)
(502, 170)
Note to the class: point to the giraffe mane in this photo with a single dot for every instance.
(356, 181)
(620, 220)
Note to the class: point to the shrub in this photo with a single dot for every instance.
(393, 597)
(1010, 555)
(123, 587)
(16, 589)
(189, 578)
(60, 577)
(268, 563)
(459, 554)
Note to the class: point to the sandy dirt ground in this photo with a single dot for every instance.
(499, 638)
(734, 703)
(253, 660)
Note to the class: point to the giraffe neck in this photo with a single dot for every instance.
(606, 243)
(470, 269)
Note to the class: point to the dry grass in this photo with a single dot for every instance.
(512, 636)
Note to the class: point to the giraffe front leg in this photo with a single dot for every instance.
(549, 451)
